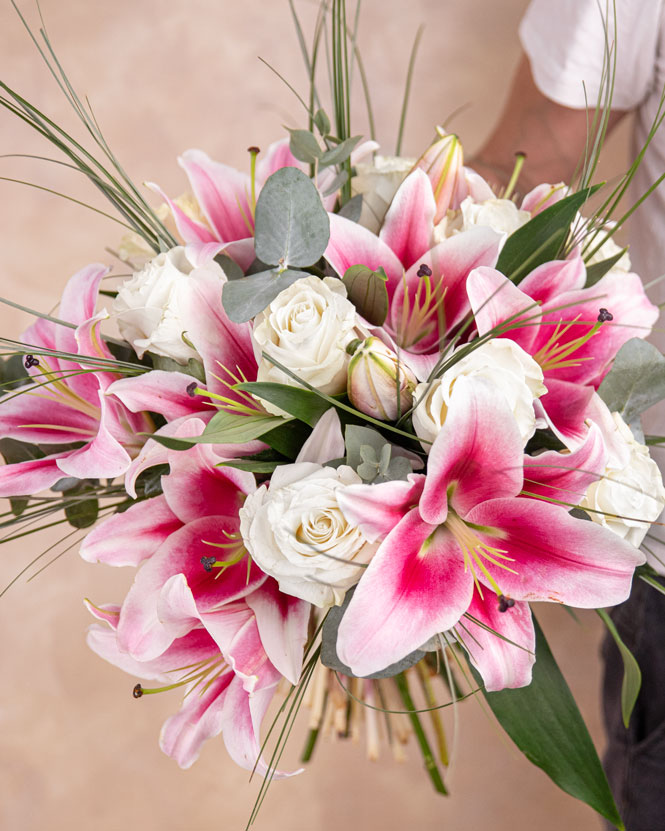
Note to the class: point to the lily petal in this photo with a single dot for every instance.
(502, 664)
(414, 587)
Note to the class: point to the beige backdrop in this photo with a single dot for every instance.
(76, 750)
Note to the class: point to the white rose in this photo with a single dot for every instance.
(306, 328)
(516, 375)
(378, 183)
(295, 531)
(501, 215)
(609, 249)
(148, 306)
(630, 496)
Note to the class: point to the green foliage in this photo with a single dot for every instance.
(542, 238)
(632, 675)
(300, 403)
(366, 289)
(545, 724)
(597, 270)
(636, 380)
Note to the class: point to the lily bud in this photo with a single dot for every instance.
(442, 162)
(379, 384)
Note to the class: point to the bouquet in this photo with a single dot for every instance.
(358, 414)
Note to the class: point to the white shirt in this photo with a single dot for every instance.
(565, 43)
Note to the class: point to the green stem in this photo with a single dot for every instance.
(426, 750)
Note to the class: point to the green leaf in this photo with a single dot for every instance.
(251, 466)
(353, 208)
(597, 270)
(229, 267)
(18, 504)
(149, 482)
(322, 122)
(330, 658)
(288, 438)
(367, 291)
(243, 299)
(632, 676)
(300, 403)
(192, 367)
(292, 226)
(225, 428)
(340, 153)
(636, 380)
(356, 437)
(540, 240)
(339, 180)
(82, 513)
(14, 451)
(304, 146)
(545, 724)
(12, 373)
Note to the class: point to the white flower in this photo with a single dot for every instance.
(295, 531)
(516, 375)
(501, 215)
(378, 183)
(148, 305)
(306, 328)
(630, 495)
(609, 249)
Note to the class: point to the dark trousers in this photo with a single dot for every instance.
(635, 757)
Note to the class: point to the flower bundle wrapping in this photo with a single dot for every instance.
(361, 415)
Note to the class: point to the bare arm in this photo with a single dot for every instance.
(552, 137)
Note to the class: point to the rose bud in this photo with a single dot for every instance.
(379, 384)
(442, 162)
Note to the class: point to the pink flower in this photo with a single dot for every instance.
(573, 332)
(426, 283)
(69, 401)
(465, 527)
(226, 690)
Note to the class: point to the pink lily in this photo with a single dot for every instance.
(225, 195)
(69, 400)
(228, 357)
(195, 563)
(463, 526)
(573, 332)
(426, 283)
(226, 691)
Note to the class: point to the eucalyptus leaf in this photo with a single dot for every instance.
(541, 238)
(292, 226)
(356, 437)
(304, 146)
(597, 270)
(322, 121)
(353, 208)
(632, 675)
(367, 290)
(300, 403)
(339, 180)
(18, 504)
(340, 153)
(192, 367)
(82, 513)
(224, 428)
(245, 298)
(544, 722)
(14, 451)
(229, 267)
(330, 658)
(149, 482)
(636, 380)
